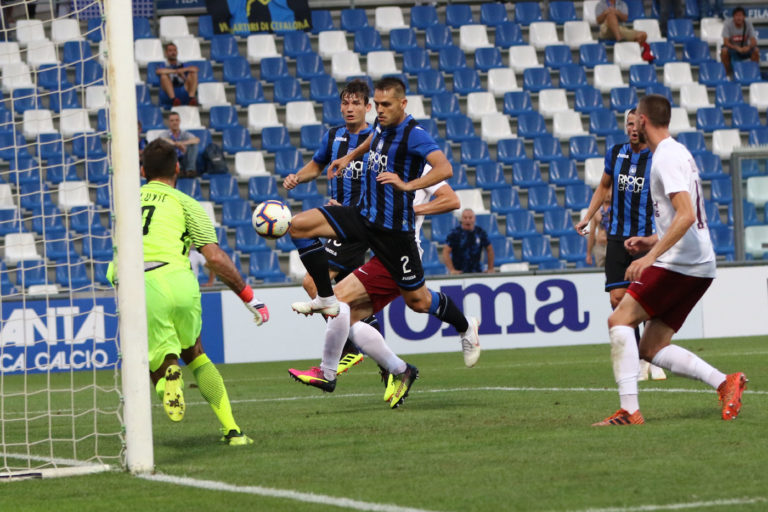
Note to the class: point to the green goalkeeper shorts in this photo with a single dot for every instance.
(174, 314)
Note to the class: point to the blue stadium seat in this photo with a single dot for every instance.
(36, 198)
(557, 55)
(488, 58)
(236, 212)
(712, 74)
(322, 21)
(295, 43)
(236, 139)
(563, 172)
(728, 95)
(430, 82)
(73, 275)
(692, 11)
(237, 69)
(490, 224)
(562, 11)
(306, 190)
(490, 175)
(503, 251)
(99, 248)
(25, 99)
(558, 222)
(602, 122)
(223, 188)
(9, 221)
(642, 75)
(527, 12)
(542, 198)
(143, 96)
(709, 164)
(520, 224)
(474, 151)
(438, 37)
(265, 266)
(415, 61)
(457, 15)
(615, 138)
(430, 259)
(47, 145)
(758, 136)
(587, 100)
(87, 145)
(577, 196)
(60, 249)
(69, 98)
(24, 170)
(309, 65)
(573, 247)
(505, 200)
(663, 52)
(6, 119)
(151, 117)
(53, 77)
(142, 29)
(582, 147)
(508, 34)
(275, 138)
(332, 112)
(441, 225)
(445, 105)
(517, 102)
(537, 79)
(205, 26)
(459, 180)
(460, 128)
(623, 99)
(367, 40)
(222, 117)
(223, 47)
(273, 68)
(592, 54)
(722, 190)
(84, 219)
(531, 124)
(9, 141)
(94, 29)
(510, 151)
(353, 19)
(680, 30)
(745, 118)
(49, 225)
(709, 119)
(262, 188)
(204, 70)
(430, 126)
(323, 88)
(694, 141)
(451, 59)
(152, 78)
(536, 249)
(288, 161)
(248, 92)
(31, 272)
(749, 212)
(287, 89)
(493, 14)
(696, 52)
(723, 241)
(466, 81)
(713, 213)
(526, 174)
(191, 187)
(402, 39)
(572, 77)
(662, 90)
(423, 16)
(546, 148)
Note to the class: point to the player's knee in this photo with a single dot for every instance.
(418, 303)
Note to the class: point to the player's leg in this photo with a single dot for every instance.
(166, 86)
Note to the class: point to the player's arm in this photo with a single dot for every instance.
(441, 170)
(591, 239)
(447, 261)
(309, 172)
(681, 223)
(191, 139)
(606, 182)
(443, 200)
(491, 256)
(343, 162)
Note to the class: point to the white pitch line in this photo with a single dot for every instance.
(681, 506)
(306, 497)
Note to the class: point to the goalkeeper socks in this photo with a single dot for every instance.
(336, 332)
(315, 260)
(626, 365)
(446, 310)
(683, 362)
(160, 388)
(212, 388)
(372, 343)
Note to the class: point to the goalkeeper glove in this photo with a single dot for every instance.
(254, 305)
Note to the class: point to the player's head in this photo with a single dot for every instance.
(174, 121)
(468, 219)
(389, 96)
(354, 102)
(171, 52)
(160, 160)
(631, 125)
(653, 110)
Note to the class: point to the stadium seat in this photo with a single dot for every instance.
(223, 188)
(91, 72)
(710, 119)
(663, 52)
(366, 40)
(572, 77)
(677, 74)
(490, 224)
(248, 241)
(522, 57)
(287, 161)
(141, 28)
(457, 15)
(583, 147)
(87, 146)
(36, 122)
(248, 92)
(353, 19)
(25, 99)
(322, 21)
(501, 81)
(53, 77)
(593, 170)
(694, 141)
(745, 118)
(296, 43)
(16, 75)
(445, 105)
(345, 65)
(441, 225)
(236, 212)
(415, 108)
(473, 37)
(563, 171)
(236, 139)
(508, 34)
(577, 33)
(562, 12)
(608, 77)
(493, 13)
(530, 124)
(613, 138)
(651, 27)
(546, 148)
(249, 163)
(511, 150)
(265, 266)
(757, 190)
(480, 104)
(642, 75)
(331, 42)
(236, 69)
(172, 27)
(272, 68)
(262, 188)
(503, 251)
(722, 191)
(466, 81)
(680, 30)
(756, 241)
(713, 213)
(191, 187)
(627, 54)
(323, 88)
(504, 200)
(403, 39)
(487, 59)
(474, 151)
(577, 196)
(536, 79)
(287, 89)
(305, 190)
(722, 240)
(711, 30)
(451, 59)
(41, 52)
(423, 16)
(758, 136)
(591, 55)
(693, 97)
(520, 223)
(696, 52)
(573, 247)
(679, 121)
(602, 122)
(536, 249)
(261, 115)
(495, 127)
(517, 102)
(10, 53)
(69, 99)
(387, 19)
(490, 175)
(222, 117)
(542, 34)
(459, 128)
(527, 12)
(274, 138)
(746, 72)
(526, 174)
(210, 94)
(557, 55)
(758, 95)
(148, 50)
(438, 37)
(415, 61)
(309, 66)
(623, 99)
(712, 74)
(459, 180)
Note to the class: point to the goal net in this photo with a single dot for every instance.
(61, 402)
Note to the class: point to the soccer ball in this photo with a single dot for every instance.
(271, 219)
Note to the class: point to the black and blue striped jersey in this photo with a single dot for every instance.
(631, 204)
(401, 149)
(337, 142)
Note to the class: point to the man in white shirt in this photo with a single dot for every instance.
(670, 279)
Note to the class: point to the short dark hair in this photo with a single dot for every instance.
(391, 82)
(738, 9)
(170, 44)
(172, 113)
(657, 109)
(159, 160)
(356, 87)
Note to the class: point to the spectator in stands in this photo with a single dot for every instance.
(464, 246)
(739, 40)
(185, 144)
(611, 14)
(677, 7)
(178, 83)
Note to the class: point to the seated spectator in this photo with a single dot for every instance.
(611, 14)
(186, 145)
(178, 83)
(464, 246)
(739, 40)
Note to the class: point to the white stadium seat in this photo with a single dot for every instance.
(148, 50)
(6, 197)
(16, 76)
(29, 30)
(41, 52)
(627, 54)
(577, 33)
(262, 115)
(502, 81)
(651, 27)
(712, 30)
(388, 19)
(551, 101)
(414, 107)
(677, 74)
(480, 104)
(589, 10)
(36, 122)
(542, 34)
(693, 97)
(607, 77)
(521, 266)
(172, 27)
(72, 194)
(381, 63)
(679, 121)
(756, 241)
(593, 171)
(567, 124)
(20, 247)
(208, 207)
(65, 29)
(370, 116)
(725, 141)
(299, 113)
(523, 57)
(74, 120)
(758, 95)
(471, 198)
(757, 190)
(344, 65)
(190, 117)
(250, 163)
(495, 127)
(331, 42)
(95, 97)
(472, 37)
(154, 134)
(210, 94)
(261, 46)
(188, 49)
(9, 53)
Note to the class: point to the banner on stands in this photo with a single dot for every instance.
(246, 16)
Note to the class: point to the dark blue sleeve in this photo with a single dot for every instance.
(484, 241)
(453, 238)
(421, 142)
(608, 162)
(322, 156)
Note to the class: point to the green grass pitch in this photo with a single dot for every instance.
(512, 433)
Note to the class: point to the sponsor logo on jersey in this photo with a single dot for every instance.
(377, 162)
(631, 184)
(354, 170)
(340, 139)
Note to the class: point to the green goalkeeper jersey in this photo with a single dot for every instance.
(172, 221)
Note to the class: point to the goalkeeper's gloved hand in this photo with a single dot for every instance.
(254, 305)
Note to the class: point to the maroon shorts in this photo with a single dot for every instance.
(667, 295)
(378, 283)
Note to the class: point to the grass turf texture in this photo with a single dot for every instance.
(465, 439)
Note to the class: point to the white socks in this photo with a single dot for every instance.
(683, 362)
(626, 365)
(336, 333)
(370, 341)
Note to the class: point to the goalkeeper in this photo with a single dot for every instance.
(171, 222)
